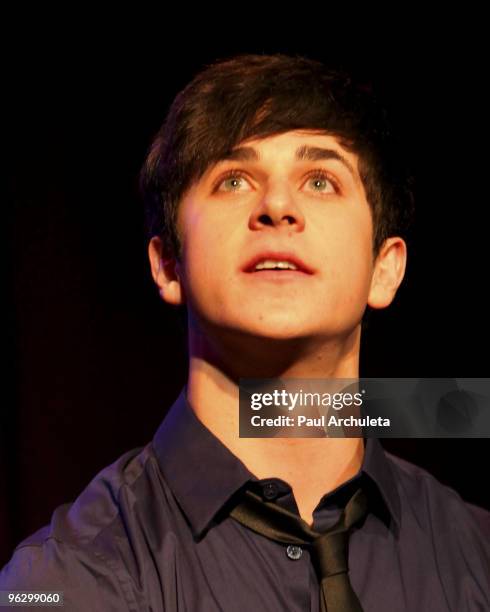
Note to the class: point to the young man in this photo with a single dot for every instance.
(273, 161)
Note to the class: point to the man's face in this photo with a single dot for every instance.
(279, 205)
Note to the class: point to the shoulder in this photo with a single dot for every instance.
(43, 563)
(427, 495)
(81, 551)
(458, 531)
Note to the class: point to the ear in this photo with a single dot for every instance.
(166, 272)
(389, 270)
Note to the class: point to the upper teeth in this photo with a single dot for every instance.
(269, 264)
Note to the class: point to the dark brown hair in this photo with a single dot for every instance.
(249, 95)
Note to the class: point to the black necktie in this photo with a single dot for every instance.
(328, 549)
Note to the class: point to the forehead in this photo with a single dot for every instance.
(292, 136)
(292, 146)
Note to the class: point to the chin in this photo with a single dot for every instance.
(278, 329)
(291, 327)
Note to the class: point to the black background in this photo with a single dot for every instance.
(95, 357)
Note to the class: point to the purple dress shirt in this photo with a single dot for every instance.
(151, 533)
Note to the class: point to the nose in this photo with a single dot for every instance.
(277, 207)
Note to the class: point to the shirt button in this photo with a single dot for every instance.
(270, 490)
(294, 552)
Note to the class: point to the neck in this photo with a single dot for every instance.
(312, 466)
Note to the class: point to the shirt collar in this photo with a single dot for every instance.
(378, 468)
(198, 466)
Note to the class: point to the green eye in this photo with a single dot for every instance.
(320, 176)
(233, 181)
(232, 176)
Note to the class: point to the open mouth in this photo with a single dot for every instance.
(277, 271)
(283, 267)
(277, 264)
(285, 270)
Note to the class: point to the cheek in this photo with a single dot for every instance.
(206, 263)
(348, 261)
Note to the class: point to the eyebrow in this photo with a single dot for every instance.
(303, 153)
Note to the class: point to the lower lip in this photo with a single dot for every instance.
(278, 276)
